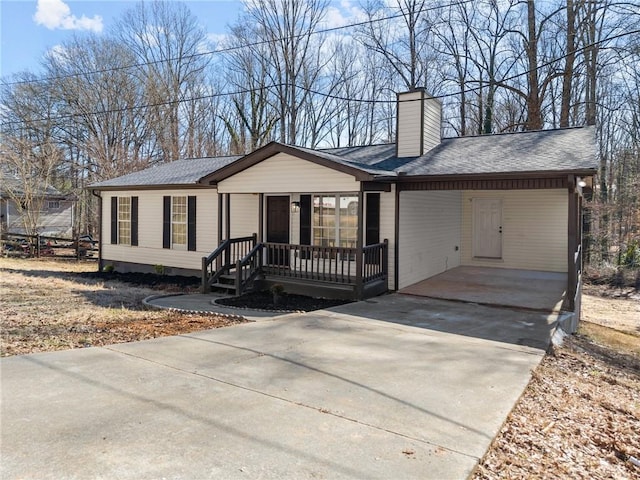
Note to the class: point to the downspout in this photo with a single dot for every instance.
(93, 192)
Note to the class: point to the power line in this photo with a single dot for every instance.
(237, 47)
(334, 97)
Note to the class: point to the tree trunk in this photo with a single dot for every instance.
(534, 111)
(567, 80)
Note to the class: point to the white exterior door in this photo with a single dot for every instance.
(487, 227)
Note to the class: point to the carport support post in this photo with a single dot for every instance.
(572, 245)
(359, 293)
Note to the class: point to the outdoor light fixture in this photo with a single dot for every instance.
(295, 207)
(582, 183)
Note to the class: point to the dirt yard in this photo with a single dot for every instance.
(48, 305)
(578, 418)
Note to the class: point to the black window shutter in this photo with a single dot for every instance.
(166, 222)
(134, 221)
(305, 223)
(191, 223)
(372, 219)
(114, 220)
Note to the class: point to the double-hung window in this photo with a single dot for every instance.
(179, 222)
(124, 220)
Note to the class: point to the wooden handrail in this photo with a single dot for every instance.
(223, 256)
(253, 259)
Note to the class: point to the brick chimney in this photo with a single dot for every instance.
(418, 124)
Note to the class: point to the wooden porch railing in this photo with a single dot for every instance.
(248, 268)
(223, 258)
(333, 265)
(375, 265)
(339, 265)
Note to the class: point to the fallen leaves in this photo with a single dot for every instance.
(578, 418)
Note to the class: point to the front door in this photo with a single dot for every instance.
(487, 227)
(278, 229)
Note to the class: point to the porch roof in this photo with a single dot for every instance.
(325, 158)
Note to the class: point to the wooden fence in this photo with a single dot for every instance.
(18, 244)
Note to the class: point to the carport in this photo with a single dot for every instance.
(505, 287)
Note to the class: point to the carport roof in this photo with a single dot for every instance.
(560, 150)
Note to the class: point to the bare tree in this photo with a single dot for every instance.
(166, 39)
(287, 27)
(252, 118)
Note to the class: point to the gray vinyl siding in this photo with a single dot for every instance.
(55, 222)
(149, 250)
(430, 229)
(284, 173)
(534, 229)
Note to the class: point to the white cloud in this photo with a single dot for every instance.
(216, 41)
(343, 13)
(55, 14)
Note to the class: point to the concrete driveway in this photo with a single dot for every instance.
(397, 387)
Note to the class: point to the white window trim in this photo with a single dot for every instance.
(337, 214)
(180, 246)
(121, 221)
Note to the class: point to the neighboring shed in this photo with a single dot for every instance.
(46, 210)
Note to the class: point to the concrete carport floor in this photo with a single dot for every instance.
(342, 393)
(507, 287)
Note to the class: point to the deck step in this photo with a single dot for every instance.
(224, 286)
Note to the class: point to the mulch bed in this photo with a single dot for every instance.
(146, 279)
(252, 300)
(288, 301)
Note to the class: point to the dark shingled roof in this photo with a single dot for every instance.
(560, 150)
(180, 172)
(544, 150)
(570, 149)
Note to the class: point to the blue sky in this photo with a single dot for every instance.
(31, 27)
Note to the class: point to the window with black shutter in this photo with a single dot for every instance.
(114, 220)
(191, 224)
(134, 221)
(305, 224)
(166, 221)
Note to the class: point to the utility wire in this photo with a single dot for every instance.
(237, 47)
(326, 95)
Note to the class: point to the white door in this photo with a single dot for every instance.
(487, 227)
